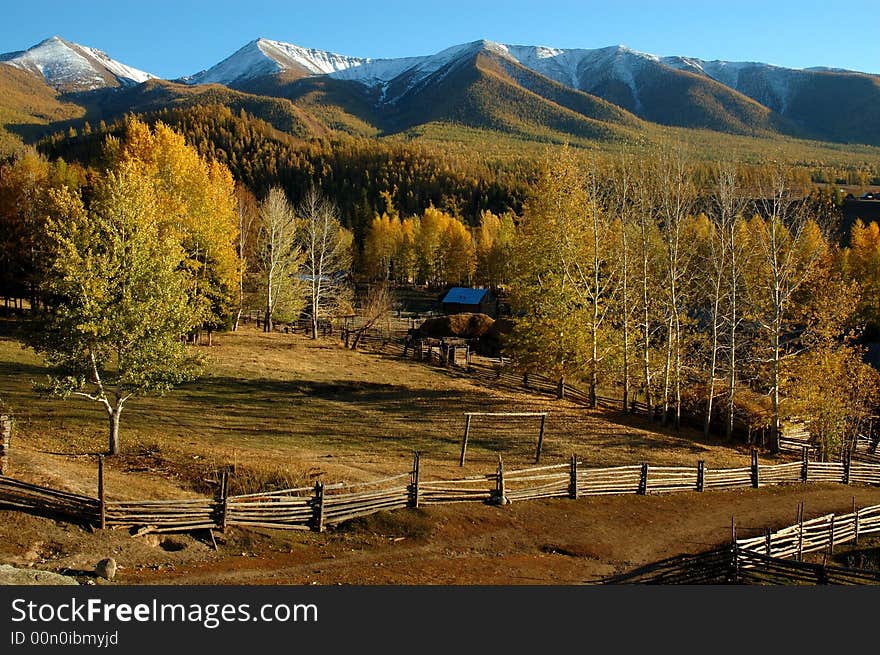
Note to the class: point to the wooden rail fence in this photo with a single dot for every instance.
(774, 558)
(318, 506)
(821, 533)
(728, 565)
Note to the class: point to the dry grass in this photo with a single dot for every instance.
(285, 410)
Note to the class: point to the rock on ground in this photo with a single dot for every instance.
(106, 568)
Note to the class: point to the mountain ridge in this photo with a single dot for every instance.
(563, 86)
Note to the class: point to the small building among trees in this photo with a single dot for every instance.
(460, 300)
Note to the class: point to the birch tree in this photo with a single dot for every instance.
(327, 255)
(279, 253)
(622, 208)
(725, 258)
(676, 196)
(787, 243)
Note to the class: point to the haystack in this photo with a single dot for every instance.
(464, 326)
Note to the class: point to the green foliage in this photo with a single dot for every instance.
(115, 307)
(114, 291)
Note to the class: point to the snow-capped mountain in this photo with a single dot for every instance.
(739, 97)
(68, 66)
(589, 70)
(264, 57)
(501, 86)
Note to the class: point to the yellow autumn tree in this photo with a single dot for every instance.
(493, 241)
(456, 258)
(196, 197)
(443, 248)
(862, 265)
(381, 246)
(405, 253)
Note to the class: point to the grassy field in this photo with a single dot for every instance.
(286, 410)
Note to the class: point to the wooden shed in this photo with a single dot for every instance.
(464, 299)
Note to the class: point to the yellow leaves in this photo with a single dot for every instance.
(196, 201)
(436, 248)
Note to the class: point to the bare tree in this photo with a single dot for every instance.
(622, 207)
(592, 269)
(279, 252)
(377, 305)
(722, 259)
(327, 248)
(646, 228)
(676, 196)
(730, 203)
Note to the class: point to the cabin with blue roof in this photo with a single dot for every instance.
(464, 299)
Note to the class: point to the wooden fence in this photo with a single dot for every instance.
(35, 499)
(450, 353)
(774, 558)
(728, 565)
(821, 533)
(314, 508)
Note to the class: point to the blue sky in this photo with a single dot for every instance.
(170, 39)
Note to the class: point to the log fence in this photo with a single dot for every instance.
(316, 507)
(732, 566)
(820, 533)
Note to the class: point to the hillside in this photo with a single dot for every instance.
(28, 106)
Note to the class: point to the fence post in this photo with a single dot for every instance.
(414, 480)
(755, 468)
(768, 541)
(540, 439)
(831, 538)
(800, 551)
(318, 508)
(643, 480)
(804, 463)
(5, 437)
(855, 522)
(847, 462)
(573, 478)
(224, 498)
(102, 503)
(464, 439)
(701, 475)
(500, 491)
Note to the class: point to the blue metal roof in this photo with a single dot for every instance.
(465, 296)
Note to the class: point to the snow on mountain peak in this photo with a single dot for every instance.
(266, 57)
(69, 66)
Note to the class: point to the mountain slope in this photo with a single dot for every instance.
(486, 90)
(475, 85)
(264, 57)
(648, 87)
(826, 104)
(67, 66)
(27, 106)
